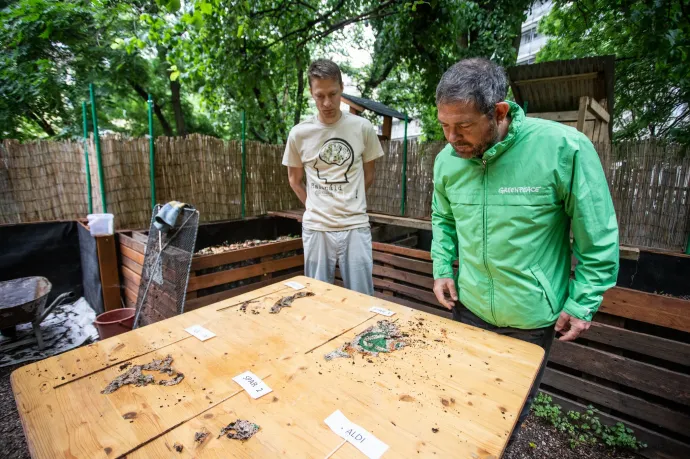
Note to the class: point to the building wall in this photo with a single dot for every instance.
(532, 41)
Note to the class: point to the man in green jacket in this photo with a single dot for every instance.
(508, 191)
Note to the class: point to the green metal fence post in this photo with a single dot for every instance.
(244, 163)
(687, 246)
(403, 184)
(152, 162)
(97, 141)
(86, 156)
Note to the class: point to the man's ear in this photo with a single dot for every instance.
(502, 109)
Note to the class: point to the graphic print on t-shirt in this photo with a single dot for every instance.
(335, 159)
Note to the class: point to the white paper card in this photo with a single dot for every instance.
(382, 311)
(295, 285)
(254, 386)
(200, 332)
(364, 441)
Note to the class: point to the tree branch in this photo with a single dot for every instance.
(45, 125)
(167, 130)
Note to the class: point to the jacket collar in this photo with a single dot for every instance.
(517, 116)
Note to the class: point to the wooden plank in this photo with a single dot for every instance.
(415, 279)
(599, 111)
(582, 113)
(232, 275)
(131, 264)
(405, 263)
(131, 296)
(390, 248)
(140, 237)
(131, 243)
(202, 301)
(561, 117)
(400, 221)
(647, 307)
(418, 294)
(617, 400)
(131, 275)
(285, 214)
(132, 254)
(211, 261)
(107, 266)
(473, 404)
(658, 446)
(653, 346)
(411, 241)
(576, 77)
(651, 379)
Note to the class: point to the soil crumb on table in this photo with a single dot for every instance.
(239, 430)
(287, 301)
(385, 336)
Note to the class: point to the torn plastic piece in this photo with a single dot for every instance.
(287, 301)
(135, 376)
(385, 337)
(243, 308)
(239, 430)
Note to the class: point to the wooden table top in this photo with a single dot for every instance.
(468, 383)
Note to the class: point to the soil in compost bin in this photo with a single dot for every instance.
(227, 247)
(135, 376)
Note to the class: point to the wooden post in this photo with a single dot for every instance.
(107, 266)
(387, 127)
(582, 113)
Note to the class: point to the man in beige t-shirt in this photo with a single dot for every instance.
(337, 150)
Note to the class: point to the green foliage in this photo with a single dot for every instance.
(651, 41)
(584, 428)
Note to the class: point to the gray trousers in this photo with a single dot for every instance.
(351, 250)
(542, 337)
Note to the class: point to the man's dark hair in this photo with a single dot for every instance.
(324, 69)
(478, 81)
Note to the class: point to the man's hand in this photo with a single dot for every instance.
(570, 327)
(443, 289)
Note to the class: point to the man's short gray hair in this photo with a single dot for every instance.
(477, 81)
(324, 69)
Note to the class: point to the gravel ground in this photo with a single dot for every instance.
(548, 442)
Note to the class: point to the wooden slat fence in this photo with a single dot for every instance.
(649, 182)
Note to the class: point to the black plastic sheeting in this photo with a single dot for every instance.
(91, 275)
(656, 272)
(49, 249)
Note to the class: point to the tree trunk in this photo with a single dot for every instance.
(167, 130)
(177, 108)
(180, 125)
(47, 128)
(300, 91)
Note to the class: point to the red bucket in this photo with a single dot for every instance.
(114, 322)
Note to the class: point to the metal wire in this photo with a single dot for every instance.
(165, 274)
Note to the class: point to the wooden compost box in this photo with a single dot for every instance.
(215, 277)
(633, 364)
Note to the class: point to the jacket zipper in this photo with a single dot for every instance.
(486, 237)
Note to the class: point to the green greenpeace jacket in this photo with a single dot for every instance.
(506, 218)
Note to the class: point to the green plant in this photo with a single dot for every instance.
(583, 428)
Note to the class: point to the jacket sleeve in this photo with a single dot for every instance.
(444, 246)
(595, 232)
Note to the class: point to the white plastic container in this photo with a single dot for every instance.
(100, 224)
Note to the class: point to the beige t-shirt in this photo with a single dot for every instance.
(332, 156)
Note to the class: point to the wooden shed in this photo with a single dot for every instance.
(577, 92)
(359, 104)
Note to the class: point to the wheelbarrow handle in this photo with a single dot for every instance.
(56, 302)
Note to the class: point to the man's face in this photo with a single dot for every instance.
(326, 94)
(469, 131)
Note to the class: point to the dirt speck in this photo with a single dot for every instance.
(130, 415)
(406, 398)
(434, 429)
(178, 447)
(108, 450)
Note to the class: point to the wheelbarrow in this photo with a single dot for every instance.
(24, 300)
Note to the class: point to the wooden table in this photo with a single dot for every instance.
(468, 383)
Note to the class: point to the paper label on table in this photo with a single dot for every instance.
(295, 285)
(364, 441)
(200, 332)
(382, 311)
(254, 386)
